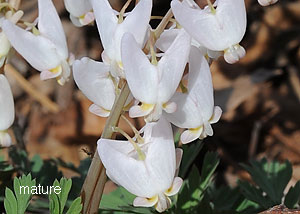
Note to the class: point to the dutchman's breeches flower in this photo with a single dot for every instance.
(196, 110)
(4, 43)
(153, 84)
(146, 169)
(80, 12)
(7, 111)
(99, 80)
(46, 50)
(94, 80)
(4, 48)
(166, 38)
(112, 29)
(218, 29)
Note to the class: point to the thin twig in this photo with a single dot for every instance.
(158, 31)
(18, 132)
(295, 82)
(15, 4)
(135, 131)
(28, 88)
(254, 139)
(163, 24)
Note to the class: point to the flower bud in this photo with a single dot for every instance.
(80, 12)
(267, 2)
(234, 54)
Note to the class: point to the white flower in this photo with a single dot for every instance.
(112, 29)
(266, 2)
(154, 84)
(80, 12)
(150, 178)
(196, 110)
(219, 29)
(46, 52)
(4, 43)
(168, 36)
(7, 111)
(94, 80)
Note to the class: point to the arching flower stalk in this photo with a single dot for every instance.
(218, 27)
(7, 111)
(81, 12)
(45, 49)
(196, 110)
(147, 172)
(154, 83)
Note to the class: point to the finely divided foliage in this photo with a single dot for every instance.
(154, 65)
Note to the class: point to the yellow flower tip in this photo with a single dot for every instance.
(168, 191)
(206, 57)
(211, 118)
(35, 31)
(56, 69)
(146, 106)
(60, 81)
(81, 19)
(153, 199)
(82, 16)
(196, 129)
(120, 64)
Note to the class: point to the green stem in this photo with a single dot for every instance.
(135, 131)
(158, 31)
(121, 14)
(211, 6)
(93, 186)
(140, 153)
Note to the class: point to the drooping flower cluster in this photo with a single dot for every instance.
(170, 84)
(146, 166)
(46, 47)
